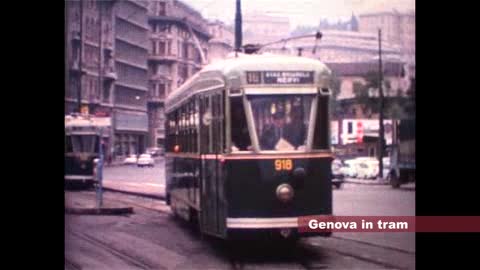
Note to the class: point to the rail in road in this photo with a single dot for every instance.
(138, 263)
(308, 253)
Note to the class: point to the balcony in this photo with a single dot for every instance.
(159, 76)
(75, 67)
(161, 35)
(94, 99)
(76, 36)
(156, 99)
(108, 45)
(162, 58)
(109, 73)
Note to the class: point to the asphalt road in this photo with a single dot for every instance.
(152, 239)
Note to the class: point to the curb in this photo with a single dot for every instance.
(99, 211)
(134, 193)
(367, 182)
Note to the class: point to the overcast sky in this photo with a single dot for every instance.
(300, 12)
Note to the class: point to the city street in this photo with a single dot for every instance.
(151, 238)
(135, 179)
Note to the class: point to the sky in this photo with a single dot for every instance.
(300, 12)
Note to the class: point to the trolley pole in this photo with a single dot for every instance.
(380, 87)
(100, 173)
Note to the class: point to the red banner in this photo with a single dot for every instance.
(389, 224)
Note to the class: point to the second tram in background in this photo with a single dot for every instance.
(248, 146)
(82, 139)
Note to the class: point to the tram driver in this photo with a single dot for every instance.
(282, 136)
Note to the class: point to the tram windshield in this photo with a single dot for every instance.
(82, 144)
(281, 121)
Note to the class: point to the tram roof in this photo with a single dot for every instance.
(237, 65)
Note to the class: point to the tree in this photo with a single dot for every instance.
(303, 30)
(335, 87)
(366, 93)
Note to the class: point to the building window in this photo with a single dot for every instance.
(106, 94)
(169, 47)
(179, 46)
(161, 90)
(154, 47)
(161, 9)
(185, 50)
(161, 48)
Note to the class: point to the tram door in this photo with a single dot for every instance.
(212, 145)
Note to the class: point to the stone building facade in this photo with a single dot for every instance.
(106, 63)
(173, 56)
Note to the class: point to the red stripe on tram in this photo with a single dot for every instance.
(253, 156)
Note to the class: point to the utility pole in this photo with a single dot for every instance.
(100, 46)
(79, 92)
(380, 88)
(238, 27)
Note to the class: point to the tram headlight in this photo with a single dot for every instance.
(285, 192)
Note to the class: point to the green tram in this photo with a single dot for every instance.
(248, 146)
(82, 136)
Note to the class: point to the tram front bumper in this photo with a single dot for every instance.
(280, 225)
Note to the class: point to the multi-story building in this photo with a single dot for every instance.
(89, 45)
(260, 28)
(221, 43)
(397, 27)
(176, 32)
(130, 119)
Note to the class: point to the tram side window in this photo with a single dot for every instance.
(320, 139)
(205, 120)
(68, 144)
(240, 136)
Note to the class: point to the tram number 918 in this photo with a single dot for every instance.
(283, 164)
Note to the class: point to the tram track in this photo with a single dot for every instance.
(375, 245)
(130, 260)
(306, 262)
(69, 264)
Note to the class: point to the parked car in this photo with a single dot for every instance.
(145, 160)
(155, 151)
(349, 168)
(367, 169)
(132, 159)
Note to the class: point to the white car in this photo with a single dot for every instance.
(367, 169)
(145, 160)
(348, 170)
(132, 159)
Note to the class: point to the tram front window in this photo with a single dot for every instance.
(84, 143)
(281, 121)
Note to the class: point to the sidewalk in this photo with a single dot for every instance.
(366, 181)
(85, 203)
(119, 162)
(377, 182)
